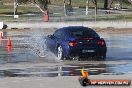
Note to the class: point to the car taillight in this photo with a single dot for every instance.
(101, 42)
(72, 43)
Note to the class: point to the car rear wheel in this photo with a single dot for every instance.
(59, 53)
(102, 58)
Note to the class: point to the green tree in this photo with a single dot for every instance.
(127, 1)
(22, 1)
(43, 4)
(95, 3)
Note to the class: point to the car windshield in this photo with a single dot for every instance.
(83, 33)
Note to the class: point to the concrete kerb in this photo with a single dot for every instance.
(1, 25)
(102, 24)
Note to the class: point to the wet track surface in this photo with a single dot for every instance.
(28, 47)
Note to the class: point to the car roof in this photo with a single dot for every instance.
(75, 27)
(68, 29)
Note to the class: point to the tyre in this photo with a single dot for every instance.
(102, 58)
(60, 53)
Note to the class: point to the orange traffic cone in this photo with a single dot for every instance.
(9, 45)
(9, 42)
(46, 16)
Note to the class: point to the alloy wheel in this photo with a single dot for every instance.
(59, 53)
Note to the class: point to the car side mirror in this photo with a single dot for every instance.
(51, 36)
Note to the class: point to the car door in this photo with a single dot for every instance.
(59, 37)
(56, 38)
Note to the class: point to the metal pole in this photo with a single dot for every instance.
(95, 13)
(65, 8)
(87, 6)
(14, 7)
(95, 10)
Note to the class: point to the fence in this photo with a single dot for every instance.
(57, 14)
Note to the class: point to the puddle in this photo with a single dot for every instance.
(124, 68)
(29, 47)
(71, 70)
(54, 71)
(119, 47)
(24, 47)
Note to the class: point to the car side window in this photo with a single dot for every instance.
(59, 34)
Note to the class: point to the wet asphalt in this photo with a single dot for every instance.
(28, 47)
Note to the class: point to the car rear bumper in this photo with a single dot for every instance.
(87, 52)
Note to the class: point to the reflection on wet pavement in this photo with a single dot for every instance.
(68, 70)
(29, 47)
(54, 71)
